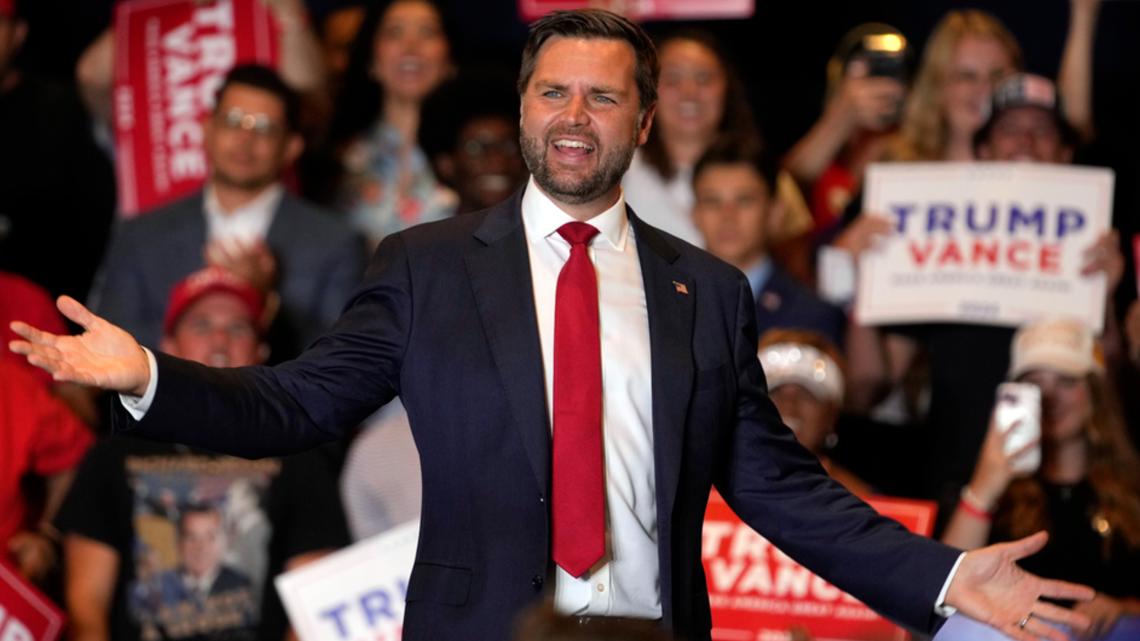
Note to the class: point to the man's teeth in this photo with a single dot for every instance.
(575, 144)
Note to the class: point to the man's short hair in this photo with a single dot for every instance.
(196, 508)
(728, 150)
(595, 23)
(268, 80)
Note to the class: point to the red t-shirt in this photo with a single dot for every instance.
(23, 300)
(38, 435)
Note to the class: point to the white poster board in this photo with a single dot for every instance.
(353, 594)
(990, 243)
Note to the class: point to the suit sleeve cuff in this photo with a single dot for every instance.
(940, 607)
(137, 406)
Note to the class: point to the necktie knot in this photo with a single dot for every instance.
(577, 233)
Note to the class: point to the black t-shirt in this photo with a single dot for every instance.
(193, 532)
(1077, 551)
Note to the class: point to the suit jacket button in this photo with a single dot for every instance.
(536, 582)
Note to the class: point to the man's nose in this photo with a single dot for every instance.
(576, 111)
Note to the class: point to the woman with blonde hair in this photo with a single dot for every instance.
(1085, 490)
(967, 54)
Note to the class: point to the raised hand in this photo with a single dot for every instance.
(251, 261)
(991, 588)
(102, 356)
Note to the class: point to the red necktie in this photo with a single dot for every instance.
(578, 499)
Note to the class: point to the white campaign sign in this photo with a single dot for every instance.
(991, 243)
(354, 594)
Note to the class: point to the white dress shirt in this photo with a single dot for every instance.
(626, 581)
(245, 224)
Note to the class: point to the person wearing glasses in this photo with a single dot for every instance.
(242, 220)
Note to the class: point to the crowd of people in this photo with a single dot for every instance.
(370, 126)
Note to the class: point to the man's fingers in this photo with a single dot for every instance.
(76, 312)
(1063, 590)
(1028, 546)
(1063, 616)
(1042, 630)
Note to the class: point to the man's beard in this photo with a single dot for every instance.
(608, 173)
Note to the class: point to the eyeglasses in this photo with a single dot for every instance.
(259, 124)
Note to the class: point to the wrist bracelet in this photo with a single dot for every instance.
(972, 506)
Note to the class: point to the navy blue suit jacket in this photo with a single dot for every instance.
(446, 320)
(783, 302)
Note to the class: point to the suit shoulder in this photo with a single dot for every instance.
(315, 223)
(160, 221)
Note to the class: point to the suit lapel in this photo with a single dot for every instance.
(669, 295)
(499, 272)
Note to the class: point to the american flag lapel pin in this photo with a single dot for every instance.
(681, 288)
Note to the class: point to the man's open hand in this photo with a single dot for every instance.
(102, 356)
(991, 588)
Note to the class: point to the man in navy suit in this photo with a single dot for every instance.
(732, 186)
(243, 220)
(464, 320)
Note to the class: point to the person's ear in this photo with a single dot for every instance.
(293, 148)
(646, 124)
(445, 165)
(775, 213)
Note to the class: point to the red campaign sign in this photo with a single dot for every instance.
(24, 612)
(170, 57)
(646, 9)
(758, 593)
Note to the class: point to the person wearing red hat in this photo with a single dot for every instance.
(168, 541)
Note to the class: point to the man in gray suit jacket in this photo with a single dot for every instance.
(242, 220)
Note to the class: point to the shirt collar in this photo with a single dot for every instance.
(265, 202)
(542, 217)
(758, 275)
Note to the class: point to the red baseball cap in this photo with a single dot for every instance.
(208, 281)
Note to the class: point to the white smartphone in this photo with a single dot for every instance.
(1017, 415)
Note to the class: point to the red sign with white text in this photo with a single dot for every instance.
(758, 593)
(25, 614)
(646, 9)
(170, 57)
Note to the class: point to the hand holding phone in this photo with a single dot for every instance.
(1017, 415)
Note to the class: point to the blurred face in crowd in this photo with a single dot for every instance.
(337, 33)
(731, 203)
(201, 542)
(216, 330)
(977, 65)
(1066, 404)
(811, 419)
(581, 120)
(410, 55)
(248, 143)
(486, 165)
(12, 35)
(1027, 134)
(691, 91)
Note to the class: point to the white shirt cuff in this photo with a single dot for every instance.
(940, 607)
(137, 406)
